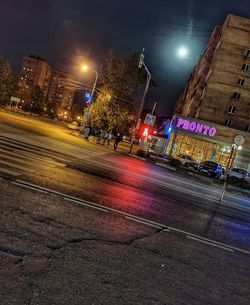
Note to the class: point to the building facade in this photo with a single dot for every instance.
(35, 71)
(218, 90)
(60, 93)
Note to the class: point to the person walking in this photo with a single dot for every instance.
(218, 172)
(110, 137)
(117, 141)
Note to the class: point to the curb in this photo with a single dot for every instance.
(166, 166)
(137, 157)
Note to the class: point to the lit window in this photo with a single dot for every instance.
(228, 123)
(247, 128)
(231, 109)
(241, 81)
(245, 67)
(236, 95)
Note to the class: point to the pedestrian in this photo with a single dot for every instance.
(218, 172)
(99, 137)
(110, 137)
(117, 141)
(104, 137)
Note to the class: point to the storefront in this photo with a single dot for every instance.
(206, 141)
(201, 140)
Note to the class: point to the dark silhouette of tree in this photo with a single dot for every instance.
(37, 100)
(8, 81)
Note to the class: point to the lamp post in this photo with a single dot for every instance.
(238, 142)
(141, 63)
(85, 118)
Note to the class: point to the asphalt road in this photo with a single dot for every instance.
(56, 252)
(40, 161)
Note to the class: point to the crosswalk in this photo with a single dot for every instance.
(19, 158)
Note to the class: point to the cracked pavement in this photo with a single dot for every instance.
(55, 252)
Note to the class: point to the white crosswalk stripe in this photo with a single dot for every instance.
(17, 158)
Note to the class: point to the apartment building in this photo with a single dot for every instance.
(60, 92)
(36, 71)
(218, 94)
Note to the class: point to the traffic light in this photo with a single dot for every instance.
(145, 132)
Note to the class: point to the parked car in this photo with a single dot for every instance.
(74, 126)
(208, 168)
(237, 174)
(187, 161)
(183, 160)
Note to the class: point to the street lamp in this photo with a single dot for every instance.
(140, 65)
(85, 68)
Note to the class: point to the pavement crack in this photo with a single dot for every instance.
(13, 252)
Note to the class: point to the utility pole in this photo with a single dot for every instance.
(238, 142)
(140, 65)
(153, 110)
(85, 119)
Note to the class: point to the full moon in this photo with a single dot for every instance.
(182, 52)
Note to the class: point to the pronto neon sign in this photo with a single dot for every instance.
(196, 127)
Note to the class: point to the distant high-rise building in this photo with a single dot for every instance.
(60, 93)
(34, 71)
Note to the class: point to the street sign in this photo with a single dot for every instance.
(150, 119)
(239, 140)
(15, 99)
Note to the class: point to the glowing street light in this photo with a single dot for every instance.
(85, 68)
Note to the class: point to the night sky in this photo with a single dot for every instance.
(62, 31)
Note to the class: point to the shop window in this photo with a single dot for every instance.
(231, 109)
(236, 95)
(241, 81)
(227, 123)
(248, 53)
(245, 67)
(247, 128)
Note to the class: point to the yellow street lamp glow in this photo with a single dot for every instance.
(85, 68)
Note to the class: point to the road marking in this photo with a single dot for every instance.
(166, 230)
(42, 151)
(18, 156)
(167, 184)
(134, 218)
(201, 238)
(9, 172)
(17, 166)
(85, 204)
(210, 243)
(177, 230)
(29, 148)
(143, 222)
(29, 187)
